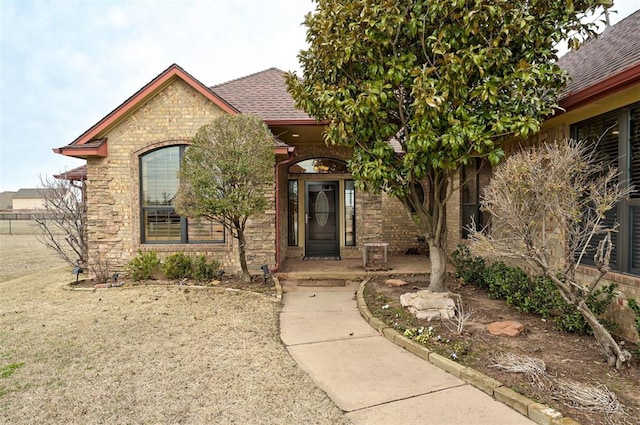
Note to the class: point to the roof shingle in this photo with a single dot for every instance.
(263, 94)
(614, 51)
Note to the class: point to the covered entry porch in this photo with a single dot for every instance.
(352, 268)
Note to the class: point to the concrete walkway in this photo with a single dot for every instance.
(371, 379)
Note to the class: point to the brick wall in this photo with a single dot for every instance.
(399, 229)
(169, 118)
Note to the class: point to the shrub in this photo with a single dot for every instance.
(143, 266)
(633, 305)
(203, 270)
(177, 266)
(468, 268)
(496, 281)
(570, 320)
(538, 296)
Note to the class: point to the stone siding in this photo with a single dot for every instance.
(171, 117)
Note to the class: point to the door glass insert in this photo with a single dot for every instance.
(322, 209)
(292, 221)
(321, 219)
(349, 213)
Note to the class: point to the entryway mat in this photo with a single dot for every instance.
(321, 258)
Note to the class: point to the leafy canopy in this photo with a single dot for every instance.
(448, 80)
(225, 170)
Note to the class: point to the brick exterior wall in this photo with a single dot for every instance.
(399, 229)
(171, 117)
(379, 218)
(627, 286)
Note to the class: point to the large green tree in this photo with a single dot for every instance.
(225, 173)
(445, 81)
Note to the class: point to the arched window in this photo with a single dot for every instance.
(158, 187)
(319, 166)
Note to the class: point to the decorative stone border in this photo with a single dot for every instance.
(539, 413)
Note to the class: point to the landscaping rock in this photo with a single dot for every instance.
(508, 328)
(395, 282)
(429, 305)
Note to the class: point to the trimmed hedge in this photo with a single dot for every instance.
(538, 296)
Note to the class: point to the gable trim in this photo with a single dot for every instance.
(611, 85)
(169, 75)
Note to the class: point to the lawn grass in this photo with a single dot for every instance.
(147, 355)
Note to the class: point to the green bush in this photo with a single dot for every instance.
(495, 278)
(469, 269)
(570, 320)
(204, 270)
(518, 289)
(177, 266)
(143, 266)
(539, 296)
(633, 305)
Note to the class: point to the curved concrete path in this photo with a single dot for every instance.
(371, 379)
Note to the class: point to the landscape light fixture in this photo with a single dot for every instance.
(265, 272)
(77, 270)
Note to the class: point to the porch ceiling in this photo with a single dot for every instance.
(306, 133)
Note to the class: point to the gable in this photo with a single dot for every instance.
(93, 143)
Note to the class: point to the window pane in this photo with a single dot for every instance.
(292, 220)
(604, 130)
(634, 148)
(635, 239)
(319, 166)
(161, 225)
(349, 213)
(475, 177)
(203, 230)
(160, 176)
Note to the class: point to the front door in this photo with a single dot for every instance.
(321, 205)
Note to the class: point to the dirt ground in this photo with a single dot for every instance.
(566, 356)
(143, 354)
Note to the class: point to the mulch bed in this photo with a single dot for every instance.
(567, 356)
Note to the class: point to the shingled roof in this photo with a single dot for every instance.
(613, 52)
(263, 94)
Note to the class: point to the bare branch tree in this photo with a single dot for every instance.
(548, 206)
(461, 318)
(61, 222)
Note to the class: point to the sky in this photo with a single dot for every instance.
(65, 64)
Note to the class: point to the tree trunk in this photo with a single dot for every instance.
(438, 266)
(242, 243)
(615, 355)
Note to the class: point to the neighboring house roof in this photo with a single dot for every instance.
(263, 94)
(90, 142)
(603, 65)
(31, 193)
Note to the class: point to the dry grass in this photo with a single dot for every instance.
(533, 368)
(589, 397)
(146, 355)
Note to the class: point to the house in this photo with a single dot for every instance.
(314, 209)
(28, 199)
(602, 102)
(6, 200)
